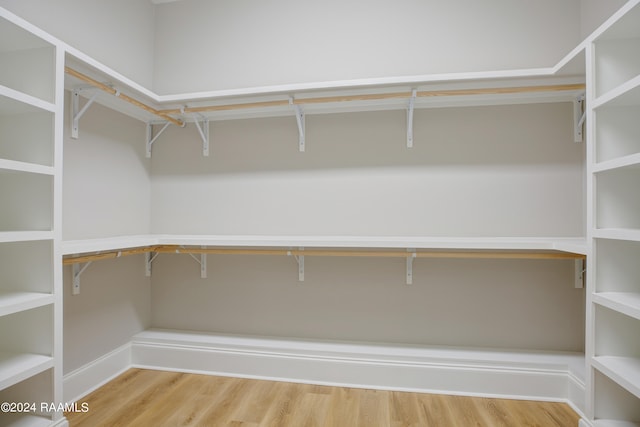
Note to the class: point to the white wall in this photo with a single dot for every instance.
(526, 304)
(106, 192)
(119, 33)
(113, 305)
(595, 12)
(106, 182)
(476, 171)
(246, 43)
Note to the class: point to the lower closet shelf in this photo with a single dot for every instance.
(22, 420)
(16, 367)
(623, 370)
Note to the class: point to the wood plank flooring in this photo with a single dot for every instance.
(142, 397)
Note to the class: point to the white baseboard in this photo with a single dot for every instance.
(91, 376)
(490, 373)
(60, 423)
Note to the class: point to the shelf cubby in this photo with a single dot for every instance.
(28, 332)
(617, 268)
(617, 62)
(616, 132)
(618, 199)
(26, 350)
(617, 348)
(27, 201)
(37, 390)
(28, 62)
(617, 52)
(26, 133)
(614, 406)
(22, 286)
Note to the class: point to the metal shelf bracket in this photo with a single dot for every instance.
(149, 257)
(202, 260)
(300, 261)
(77, 270)
(578, 275)
(301, 124)
(151, 138)
(410, 266)
(579, 116)
(410, 109)
(203, 130)
(77, 112)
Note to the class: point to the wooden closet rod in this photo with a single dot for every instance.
(122, 96)
(381, 253)
(328, 253)
(380, 96)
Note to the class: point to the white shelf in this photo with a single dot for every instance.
(623, 370)
(15, 102)
(16, 367)
(627, 94)
(569, 70)
(13, 302)
(24, 236)
(615, 423)
(574, 245)
(24, 420)
(630, 161)
(617, 233)
(12, 165)
(624, 302)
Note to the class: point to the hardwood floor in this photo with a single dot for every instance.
(142, 397)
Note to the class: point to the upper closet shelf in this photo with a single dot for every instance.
(570, 245)
(562, 83)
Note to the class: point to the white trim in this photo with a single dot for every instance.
(471, 372)
(63, 422)
(84, 380)
(542, 376)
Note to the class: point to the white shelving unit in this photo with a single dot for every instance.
(30, 277)
(31, 98)
(613, 312)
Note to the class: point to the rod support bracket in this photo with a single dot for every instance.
(579, 271)
(410, 108)
(202, 260)
(77, 270)
(203, 130)
(579, 116)
(300, 120)
(151, 138)
(77, 112)
(149, 257)
(300, 260)
(410, 258)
